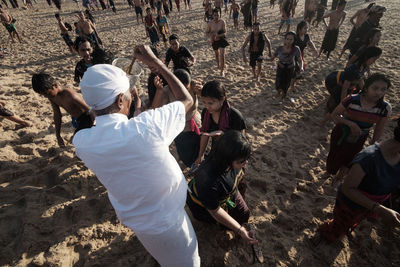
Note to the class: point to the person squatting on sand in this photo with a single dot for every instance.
(64, 32)
(85, 49)
(215, 193)
(257, 40)
(217, 116)
(336, 19)
(354, 117)
(288, 54)
(68, 99)
(365, 193)
(149, 193)
(216, 30)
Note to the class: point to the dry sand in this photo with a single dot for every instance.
(54, 212)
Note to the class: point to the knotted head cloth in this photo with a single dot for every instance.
(101, 84)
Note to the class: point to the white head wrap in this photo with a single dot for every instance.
(101, 84)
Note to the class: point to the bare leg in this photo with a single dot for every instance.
(254, 71)
(222, 60)
(18, 120)
(280, 27)
(258, 72)
(217, 57)
(292, 82)
(288, 28)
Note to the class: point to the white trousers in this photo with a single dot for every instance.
(175, 247)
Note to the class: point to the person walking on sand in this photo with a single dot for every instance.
(87, 29)
(216, 30)
(131, 158)
(336, 19)
(8, 22)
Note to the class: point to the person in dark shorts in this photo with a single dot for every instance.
(64, 32)
(179, 54)
(257, 41)
(320, 13)
(9, 115)
(138, 9)
(70, 100)
(234, 12)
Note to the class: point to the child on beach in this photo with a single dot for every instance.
(8, 114)
(302, 41)
(64, 33)
(286, 10)
(336, 19)
(8, 23)
(320, 14)
(163, 27)
(68, 99)
(288, 54)
(235, 10)
(151, 27)
(87, 29)
(257, 40)
(85, 49)
(217, 116)
(354, 117)
(138, 9)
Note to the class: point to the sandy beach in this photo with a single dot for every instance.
(54, 211)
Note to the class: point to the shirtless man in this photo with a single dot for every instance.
(257, 41)
(138, 9)
(310, 8)
(7, 21)
(336, 19)
(218, 5)
(216, 30)
(360, 16)
(68, 99)
(86, 28)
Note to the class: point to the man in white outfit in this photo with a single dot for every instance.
(131, 159)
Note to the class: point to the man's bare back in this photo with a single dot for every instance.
(71, 101)
(336, 19)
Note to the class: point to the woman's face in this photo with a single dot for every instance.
(376, 91)
(377, 37)
(303, 30)
(371, 61)
(213, 105)
(289, 40)
(239, 164)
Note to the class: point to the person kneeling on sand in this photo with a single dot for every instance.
(131, 158)
(216, 192)
(68, 99)
(365, 193)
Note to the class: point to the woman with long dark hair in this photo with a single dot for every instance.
(214, 195)
(354, 117)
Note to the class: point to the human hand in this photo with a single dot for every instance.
(389, 216)
(60, 141)
(144, 54)
(247, 236)
(197, 86)
(158, 83)
(198, 161)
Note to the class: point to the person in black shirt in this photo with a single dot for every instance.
(85, 49)
(217, 116)
(214, 193)
(180, 55)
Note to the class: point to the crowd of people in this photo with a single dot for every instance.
(126, 142)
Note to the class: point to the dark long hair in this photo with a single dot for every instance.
(233, 145)
(368, 53)
(373, 78)
(300, 26)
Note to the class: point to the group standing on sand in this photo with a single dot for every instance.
(150, 198)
